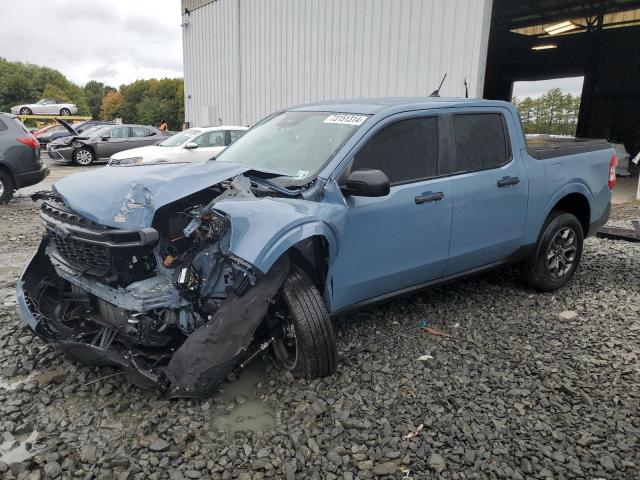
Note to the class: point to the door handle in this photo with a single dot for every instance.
(429, 197)
(508, 181)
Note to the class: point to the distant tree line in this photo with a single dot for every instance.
(553, 113)
(143, 101)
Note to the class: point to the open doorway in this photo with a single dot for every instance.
(549, 107)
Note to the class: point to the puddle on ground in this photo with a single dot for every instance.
(47, 376)
(10, 452)
(252, 415)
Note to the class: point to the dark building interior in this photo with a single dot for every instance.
(599, 40)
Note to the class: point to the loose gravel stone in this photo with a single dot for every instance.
(519, 390)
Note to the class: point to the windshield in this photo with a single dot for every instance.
(295, 144)
(179, 138)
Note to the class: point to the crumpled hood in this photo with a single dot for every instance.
(128, 197)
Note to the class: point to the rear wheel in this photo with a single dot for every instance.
(65, 112)
(25, 111)
(83, 156)
(6, 187)
(304, 339)
(558, 252)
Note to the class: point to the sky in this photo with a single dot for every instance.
(535, 89)
(112, 41)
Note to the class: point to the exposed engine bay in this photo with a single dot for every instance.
(168, 303)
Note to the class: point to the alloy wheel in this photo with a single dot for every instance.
(562, 251)
(84, 157)
(1, 188)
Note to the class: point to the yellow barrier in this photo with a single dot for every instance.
(80, 118)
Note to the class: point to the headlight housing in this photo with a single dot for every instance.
(124, 161)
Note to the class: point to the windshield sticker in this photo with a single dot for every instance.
(302, 174)
(343, 119)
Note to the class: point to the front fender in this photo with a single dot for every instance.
(263, 229)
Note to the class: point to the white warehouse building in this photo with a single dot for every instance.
(243, 59)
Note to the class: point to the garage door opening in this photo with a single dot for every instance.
(568, 38)
(549, 107)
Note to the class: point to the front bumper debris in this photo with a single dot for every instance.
(49, 295)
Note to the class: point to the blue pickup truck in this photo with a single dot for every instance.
(182, 272)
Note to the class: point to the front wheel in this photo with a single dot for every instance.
(25, 111)
(558, 252)
(304, 342)
(83, 156)
(65, 112)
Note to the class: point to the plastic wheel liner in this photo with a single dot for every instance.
(194, 368)
(210, 353)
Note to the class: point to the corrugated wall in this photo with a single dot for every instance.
(246, 58)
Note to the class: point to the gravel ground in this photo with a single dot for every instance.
(518, 390)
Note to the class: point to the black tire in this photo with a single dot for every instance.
(558, 252)
(83, 156)
(313, 354)
(6, 187)
(26, 111)
(65, 112)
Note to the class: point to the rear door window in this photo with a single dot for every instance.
(481, 142)
(406, 151)
(141, 132)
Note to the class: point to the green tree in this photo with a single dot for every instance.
(95, 92)
(552, 113)
(111, 106)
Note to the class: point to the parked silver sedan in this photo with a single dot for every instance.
(46, 106)
(100, 143)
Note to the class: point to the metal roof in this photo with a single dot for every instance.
(522, 13)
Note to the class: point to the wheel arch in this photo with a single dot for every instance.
(5, 169)
(312, 246)
(84, 145)
(577, 204)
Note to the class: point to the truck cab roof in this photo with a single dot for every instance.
(372, 106)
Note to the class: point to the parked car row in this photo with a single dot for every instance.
(46, 106)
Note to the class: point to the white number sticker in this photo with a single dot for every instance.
(345, 119)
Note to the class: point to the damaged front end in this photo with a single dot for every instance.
(168, 303)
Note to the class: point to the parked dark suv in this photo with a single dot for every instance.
(20, 164)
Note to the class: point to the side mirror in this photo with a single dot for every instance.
(191, 146)
(105, 139)
(367, 183)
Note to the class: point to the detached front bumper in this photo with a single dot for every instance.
(191, 365)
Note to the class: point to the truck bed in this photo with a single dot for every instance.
(543, 147)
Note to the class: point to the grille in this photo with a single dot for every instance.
(67, 216)
(86, 257)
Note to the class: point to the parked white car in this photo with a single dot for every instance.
(191, 145)
(46, 106)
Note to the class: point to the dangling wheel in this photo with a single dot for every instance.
(297, 318)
